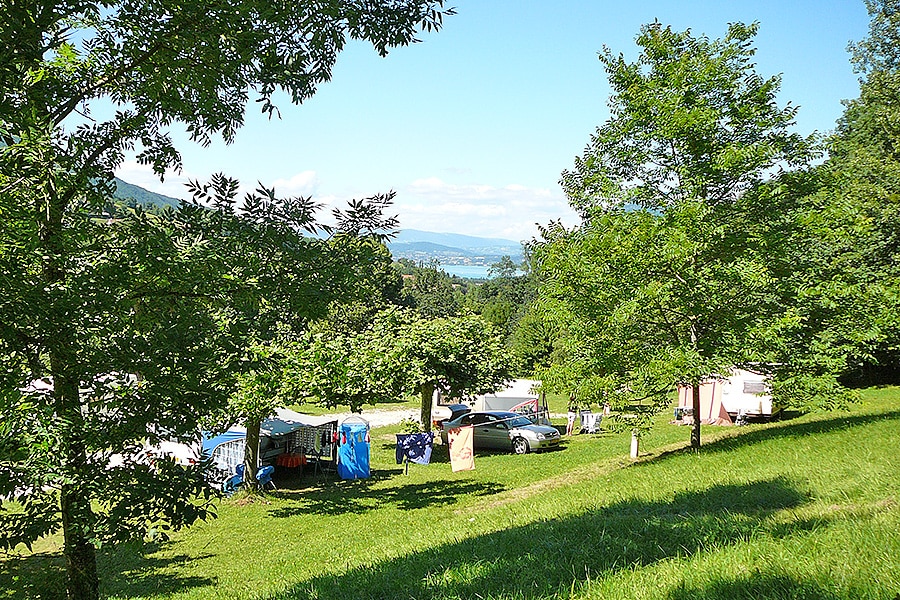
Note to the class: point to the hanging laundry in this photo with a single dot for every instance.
(415, 447)
(319, 441)
(353, 453)
(462, 455)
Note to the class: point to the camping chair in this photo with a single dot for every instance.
(264, 477)
(231, 485)
(589, 422)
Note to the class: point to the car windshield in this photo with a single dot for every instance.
(519, 422)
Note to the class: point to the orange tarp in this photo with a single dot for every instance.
(290, 460)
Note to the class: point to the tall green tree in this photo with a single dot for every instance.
(505, 267)
(833, 239)
(120, 351)
(157, 63)
(460, 356)
(430, 291)
(503, 298)
(858, 201)
(353, 366)
(657, 287)
(401, 353)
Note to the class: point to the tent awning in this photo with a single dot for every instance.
(283, 422)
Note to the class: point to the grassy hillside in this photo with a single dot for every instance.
(127, 191)
(803, 508)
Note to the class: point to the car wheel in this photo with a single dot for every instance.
(520, 446)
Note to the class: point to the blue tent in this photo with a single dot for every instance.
(214, 442)
(272, 430)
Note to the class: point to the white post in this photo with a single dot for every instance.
(635, 443)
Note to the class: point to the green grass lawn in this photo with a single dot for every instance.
(804, 508)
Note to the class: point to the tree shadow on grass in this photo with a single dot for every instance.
(549, 558)
(128, 571)
(290, 481)
(359, 497)
(38, 576)
(772, 586)
(784, 430)
(125, 570)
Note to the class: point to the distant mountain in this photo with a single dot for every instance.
(453, 240)
(428, 247)
(128, 191)
(421, 246)
(452, 248)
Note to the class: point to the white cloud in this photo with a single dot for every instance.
(430, 204)
(304, 183)
(512, 211)
(143, 176)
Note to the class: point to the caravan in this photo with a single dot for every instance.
(519, 396)
(742, 393)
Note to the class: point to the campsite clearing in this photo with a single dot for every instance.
(807, 507)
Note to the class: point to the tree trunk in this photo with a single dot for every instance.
(427, 399)
(251, 454)
(82, 581)
(695, 427)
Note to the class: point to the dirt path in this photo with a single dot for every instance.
(380, 417)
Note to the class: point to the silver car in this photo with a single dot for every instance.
(504, 431)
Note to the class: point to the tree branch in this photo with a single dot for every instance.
(66, 109)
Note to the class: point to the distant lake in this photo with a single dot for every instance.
(467, 271)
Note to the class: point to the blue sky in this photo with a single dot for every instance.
(473, 126)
